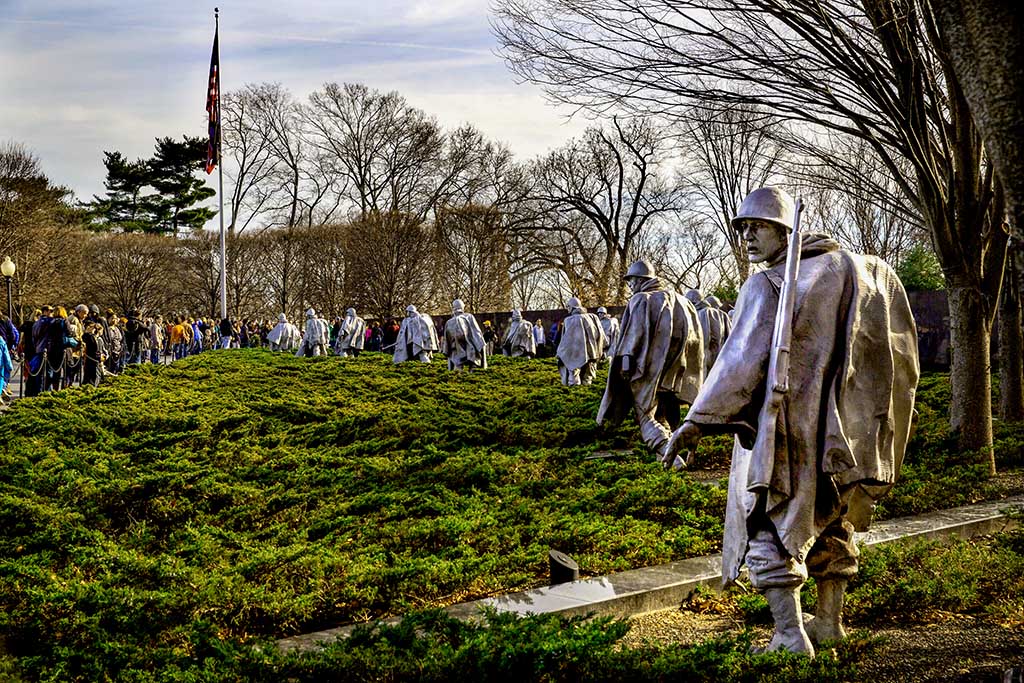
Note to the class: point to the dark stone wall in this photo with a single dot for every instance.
(931, 313)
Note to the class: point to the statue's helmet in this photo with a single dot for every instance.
(601, 310)
(282, 318)
(694, 296)
(350, 312)
(714, 302)
(641, 268)
(771, 204)
(310, 313)
(458, 306)
(573, 302)
(517, 314)
(410, 310)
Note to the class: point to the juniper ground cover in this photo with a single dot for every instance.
(176, 514)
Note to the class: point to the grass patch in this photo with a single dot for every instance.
(172, 517)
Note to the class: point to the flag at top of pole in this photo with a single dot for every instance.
(213, 106)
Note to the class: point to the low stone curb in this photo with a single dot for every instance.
(666, 586)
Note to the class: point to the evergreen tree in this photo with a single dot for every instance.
(125, 208)
(174, 190)
(920, 270)
(172, 173)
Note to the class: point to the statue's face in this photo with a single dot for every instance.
(633, 283)
(764, 241)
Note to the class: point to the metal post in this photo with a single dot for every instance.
(220, 173)
(10, 301)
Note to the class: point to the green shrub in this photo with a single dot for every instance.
(170, 518)
(433, 647)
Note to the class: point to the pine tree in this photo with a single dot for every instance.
(172, 174)
(125, 208)
(174, 190)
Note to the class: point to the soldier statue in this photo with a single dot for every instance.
(519, 339)
(351, 335)
(463, 341)
(580, 346)
(715, 325)
(417, 338)
(610, 326)
(817, 383)
(658, 363)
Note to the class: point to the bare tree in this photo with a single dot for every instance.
(985, 43)
(855, 199)
(474, 247)
(732, 151)
(600, 194)
(246, 276)
(690, 254)
(303, 188)
(197, 273)
(391, 155)
(392, 264)
(130, 271)
(1011, 367)
(324, 264)
(247, 137)
(35, 219)
(871, 70)
(282, 261)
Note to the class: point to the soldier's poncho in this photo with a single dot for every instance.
(417, 331)
(352, 334)
(463, 342)
(662, 336)
(284, 336)
(582, 340)
(519, 339)
(847, 416)
(715, 325)
(611, 327)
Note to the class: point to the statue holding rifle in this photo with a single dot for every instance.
(817, 382)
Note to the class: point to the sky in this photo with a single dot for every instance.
(78, 77)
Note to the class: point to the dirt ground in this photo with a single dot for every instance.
(956, 649)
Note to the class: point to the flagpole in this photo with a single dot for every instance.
(220, 175)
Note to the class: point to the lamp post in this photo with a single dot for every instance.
(7, 269)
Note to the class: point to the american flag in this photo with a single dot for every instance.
(212, 97)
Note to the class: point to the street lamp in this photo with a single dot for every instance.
(7, 269)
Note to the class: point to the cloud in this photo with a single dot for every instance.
(79, 78)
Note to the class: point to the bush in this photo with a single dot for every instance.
(244, 494)
(433, 647)
(174, 516)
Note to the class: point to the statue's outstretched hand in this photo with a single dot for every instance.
(684, 439)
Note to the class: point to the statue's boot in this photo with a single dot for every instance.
(789, 625)
(827, 622)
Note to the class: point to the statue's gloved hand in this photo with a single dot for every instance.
(684, 439)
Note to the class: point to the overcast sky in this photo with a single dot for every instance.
(81, 76)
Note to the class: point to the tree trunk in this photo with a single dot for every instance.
(986, 41)
(970, 372)
(1011, 344)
